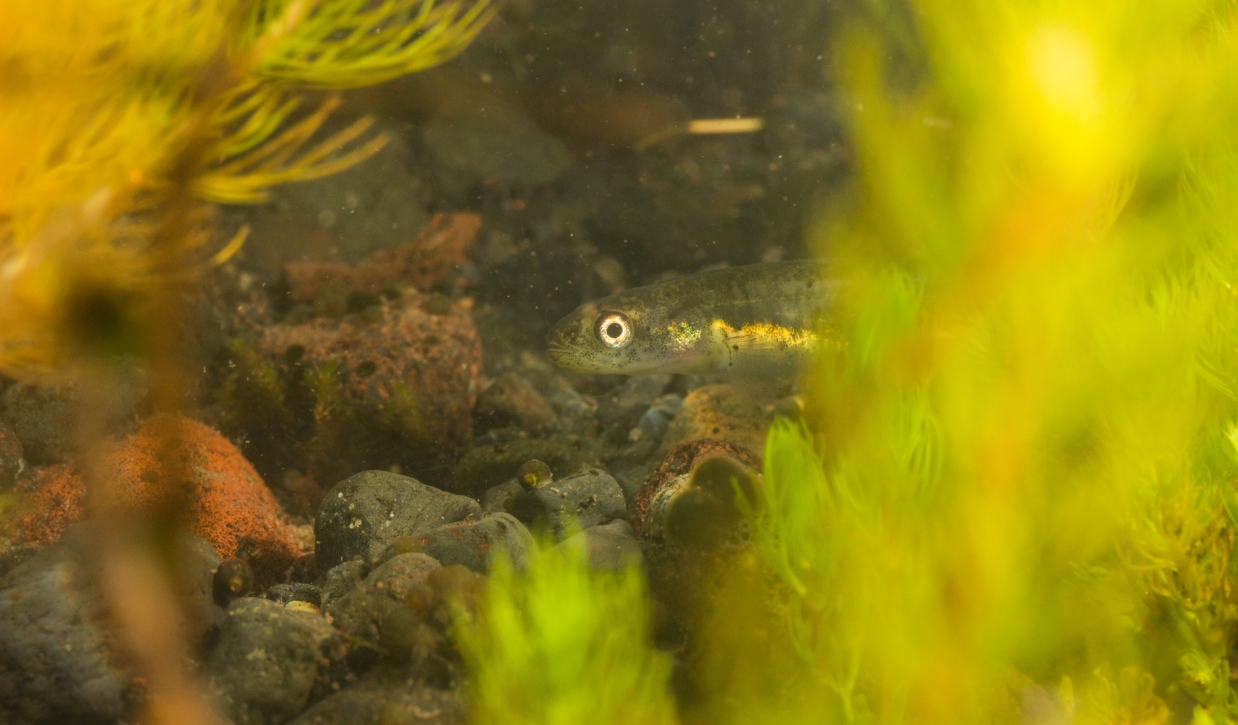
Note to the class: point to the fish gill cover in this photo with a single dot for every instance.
(1014, 496)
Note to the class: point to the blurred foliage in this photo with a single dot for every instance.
(562, 644)
(117, 117)
(1015, 498)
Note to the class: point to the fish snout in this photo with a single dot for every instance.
(560, 341)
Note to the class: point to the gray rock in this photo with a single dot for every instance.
(60, 660)
(363, 514)
(43, 418)
(499, 499)
(296, 592)
(655, 420)
(474, 543)
(268, 660)
(387, 696)
(624, 405)
(489, 464)
(359, 613)
(611, 547)
(11, 461)
(510, 400)
(511, 149)
(586, 499)
(341, 217)
(195, 581)
(15, 557)
(342, 579)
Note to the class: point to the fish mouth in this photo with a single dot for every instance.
(558, 352)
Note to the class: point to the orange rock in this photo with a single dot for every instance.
(53, 502)
(227, 502)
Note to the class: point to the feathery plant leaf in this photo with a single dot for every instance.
(561, 643)
(1015, 499)
(118, 118)
(349, 43)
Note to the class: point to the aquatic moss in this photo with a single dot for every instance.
(562, 644)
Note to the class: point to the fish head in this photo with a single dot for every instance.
(623, 337)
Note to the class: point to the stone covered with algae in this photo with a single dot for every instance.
(391, 382)
(226, 501)
(679, 462)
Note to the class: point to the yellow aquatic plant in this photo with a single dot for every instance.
(1016, 497)
(119, 118)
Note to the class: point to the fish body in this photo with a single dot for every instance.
(755, 321)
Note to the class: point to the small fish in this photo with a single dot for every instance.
(751, 322)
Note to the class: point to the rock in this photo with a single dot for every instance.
(500, 498)
(363, 514)
(268, 660)
(201, 343)
(721, 412)
(474, 543)
(342, 579)
(653, 423)
(360, 613)
(45, 418)
(195, 582)
(387, 696)
(402, 545)
(426, 262)
(512, 150)
(299, 592)
(610, 547)
(625, 404)
(704, 508)
(60, 659)
(487, 465)
(586, 499)
(576, 412)
(632, 475)
(390, 383)
(510, 400)
(11, 461)
(341, 217)
(664, 226)
(420, 632)
(228, 503)
(13, 558)
(678, 463)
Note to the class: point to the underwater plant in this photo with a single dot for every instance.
(120, 122)
(1015, 500)
(562, 643)
(120, 119)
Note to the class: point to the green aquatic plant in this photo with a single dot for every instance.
(561, 644)
(1015, 499)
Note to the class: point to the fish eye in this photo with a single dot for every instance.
(613, 329)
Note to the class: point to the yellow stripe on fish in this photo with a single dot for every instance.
(756, 321)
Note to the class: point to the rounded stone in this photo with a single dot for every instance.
(365, 513)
